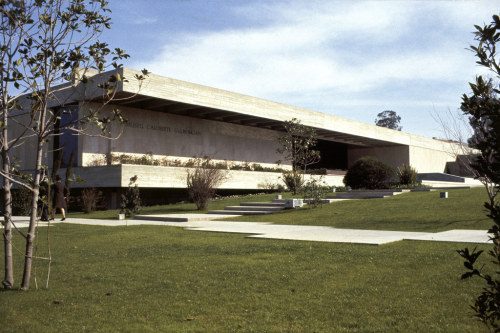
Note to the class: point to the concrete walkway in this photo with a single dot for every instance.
(288, 232)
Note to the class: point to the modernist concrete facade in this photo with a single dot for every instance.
(177, 120)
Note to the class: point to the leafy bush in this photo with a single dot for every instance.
(320, 171)
(340, 188)
(257, 167)
(21, 201)
(315, 189)
(222, 165)
(407, 174)
(130, 202)
(90, 197)
(245, 167)
(293, 180)
(150, 159)
(370, 173)
(202, 180)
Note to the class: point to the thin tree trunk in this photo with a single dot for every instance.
(8, 281)
(50, 256)
(30, 237)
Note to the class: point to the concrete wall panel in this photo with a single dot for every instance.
(430, 160)
(175, 177)
(172, 135)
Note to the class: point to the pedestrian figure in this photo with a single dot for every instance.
(60, 193)
(44, 186)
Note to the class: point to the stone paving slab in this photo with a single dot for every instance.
(307, 233)
(371, 237)
(329, 234)
(457, 235)
(267, 230)
(240, 212)
(182, 217)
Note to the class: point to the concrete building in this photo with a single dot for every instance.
(172, 120)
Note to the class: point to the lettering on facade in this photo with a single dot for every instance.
(167, 129)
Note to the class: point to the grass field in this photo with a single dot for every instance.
(181, 208)
(415, 211)
(153, 278)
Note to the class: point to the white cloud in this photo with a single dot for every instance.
(144, 20)
(293, 55)
(299, 48)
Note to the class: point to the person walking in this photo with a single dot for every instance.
(43, 203)
(59, 202)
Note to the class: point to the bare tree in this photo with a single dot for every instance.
(59, 62)
(202, 181)
(457, 131)
(12, 22)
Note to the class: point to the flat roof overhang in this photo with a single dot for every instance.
(163, 94)
(233, 117)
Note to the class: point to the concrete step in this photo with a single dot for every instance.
(369, 194)
(263, 204)
(423, 189)
(383, 192)
(279, 201)
(253, 208)
(440, 177)
(449, 185)
(181, 217)
(453, 187)
(238, 212)
(323, 201)
(357, 196)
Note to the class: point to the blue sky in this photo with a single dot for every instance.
(350, 59)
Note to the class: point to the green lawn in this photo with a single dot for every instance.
(170, 279)
(154, 278)
(182, 208)
(415, 211)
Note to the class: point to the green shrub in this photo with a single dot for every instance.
(369, 173)
(340, 188)
(130, 202)
(257, 167)
(21, 201)
(90, 197)
(315, 189)
(244, 166)
(293, 181)
(407, 174)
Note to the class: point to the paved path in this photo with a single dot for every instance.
(291, 232)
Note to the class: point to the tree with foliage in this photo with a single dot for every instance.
(483, 109)
(389, 119)
(52, 62)
(296, 146)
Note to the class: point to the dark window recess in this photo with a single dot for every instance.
(333, 155)
(67, 140)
